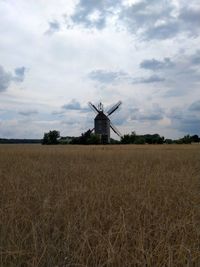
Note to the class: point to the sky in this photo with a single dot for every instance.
(57, 55)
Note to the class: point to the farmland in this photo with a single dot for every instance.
(100, 205)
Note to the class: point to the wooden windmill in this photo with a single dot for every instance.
(102, 123)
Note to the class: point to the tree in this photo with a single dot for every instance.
(186, 139)
(94, 139)
(195, 138)
(140, 140)
(168, 141)
(84, 139)
(51, 138)
(129, 138)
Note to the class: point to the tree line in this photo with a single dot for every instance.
(19, 141)
(87, 138)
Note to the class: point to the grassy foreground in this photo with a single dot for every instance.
(100, 205)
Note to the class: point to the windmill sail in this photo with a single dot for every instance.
(93, 107)
(115, 129)
(115, 107)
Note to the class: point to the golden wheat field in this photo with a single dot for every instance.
(100, 205)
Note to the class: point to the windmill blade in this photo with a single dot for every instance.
(93, 107)
(116, 106)
(115, 130)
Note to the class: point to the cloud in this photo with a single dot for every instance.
(151, 19)
(58, 112)
(28, 112)
(19, 74)
(195, 58)
(153, 64)
(160, 20)
(186, 119)
(106, 77)
(93, 13)
(72, 105)
(189, 124)
(178, 74)
(145, 13)
(54, 26)
(151, 79)
(162, 32)
(190, 19)
(154, 113)
(187, 21)
(5, 79)
(195, 106)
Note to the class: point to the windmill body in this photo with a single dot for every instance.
(102, 123)
(102, 127)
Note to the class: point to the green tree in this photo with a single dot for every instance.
(195, 138)
(94, 139)
(168, 141)
(186, 139)
(129, 138)
(51, 138)
(140, 140)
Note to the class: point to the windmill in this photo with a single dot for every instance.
(102, 123)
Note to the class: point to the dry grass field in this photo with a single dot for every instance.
(99, 205)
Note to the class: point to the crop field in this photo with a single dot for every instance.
(125, 205)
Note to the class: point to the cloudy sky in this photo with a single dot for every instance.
(57, 55)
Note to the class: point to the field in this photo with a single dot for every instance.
(100, 205)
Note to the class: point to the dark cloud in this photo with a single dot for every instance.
(151, 19)
(195, 106)
(5, 79)
(93, 13)
(54, 26)
(28, 112)
(153, 64)
(190, 19)
(181, 82)
(98, 22)
(145, 13)
(58, 112)
(106, 77)
(176, 113)
(151, 79)
(176, 92)
(155, 113)
(19, 74)
(75, 105)
(188, 22)
(148, 117)
(72, 105)
(156, 20)
(195, 58)
(188, 124)
(180, 75)
(186, 119)
(162, 32)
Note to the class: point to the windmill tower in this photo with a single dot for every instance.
(102, 123)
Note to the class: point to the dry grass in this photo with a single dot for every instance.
(99, 205)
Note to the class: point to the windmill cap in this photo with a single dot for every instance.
(101, 116)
